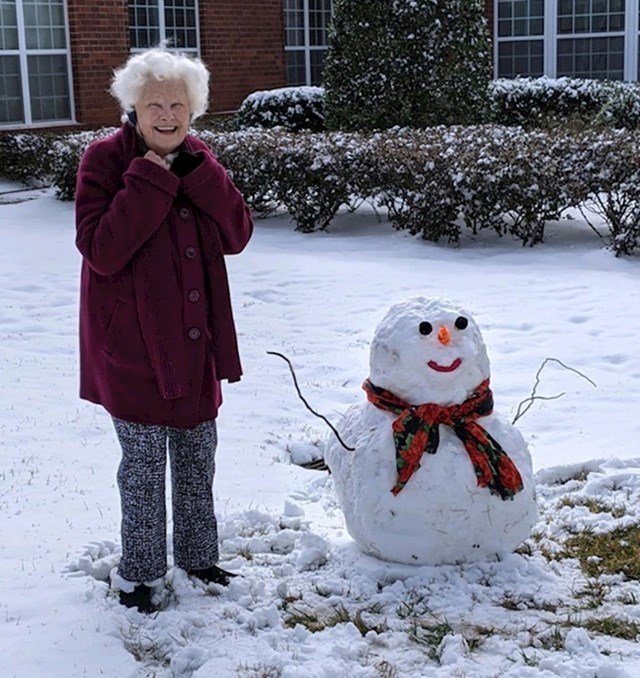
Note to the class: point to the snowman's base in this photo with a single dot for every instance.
(423, 560)
(394, 531)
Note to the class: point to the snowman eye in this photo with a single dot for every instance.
(461, 322)
(425, 328)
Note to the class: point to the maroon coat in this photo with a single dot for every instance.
(156, 328)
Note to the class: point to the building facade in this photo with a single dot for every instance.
(57, 56)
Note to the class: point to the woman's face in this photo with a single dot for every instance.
(163, 115)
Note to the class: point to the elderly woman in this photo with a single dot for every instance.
(155, 215)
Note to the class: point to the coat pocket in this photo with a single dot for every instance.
(123, 339)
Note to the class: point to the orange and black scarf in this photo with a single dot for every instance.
(416, 431)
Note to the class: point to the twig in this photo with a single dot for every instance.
(524, 406)
(295, 383)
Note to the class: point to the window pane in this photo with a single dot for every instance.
(520, 58)
(44, 24)
(590, 16)
(144, 23)
(317, 65)
(11, 108)
(520, 17)
(296, 71)
(319, 18)
(180, 23)
(597, 58)
(294, 23)
(8, 25)
(49, 88)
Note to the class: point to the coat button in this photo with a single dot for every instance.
(190, 252)
(184, 213)
(194, 296)
(194, 333)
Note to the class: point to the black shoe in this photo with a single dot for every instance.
(140, 597)
(213, 575)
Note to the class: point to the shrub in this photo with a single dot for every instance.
(251, 158)
(610, 167)
(66, 153)
(408, 63)
(26, 157)
(310, 182)
(415, 182)
(293, 108)
(438, 182)
(547, 102)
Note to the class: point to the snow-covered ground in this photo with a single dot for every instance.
(308, 604)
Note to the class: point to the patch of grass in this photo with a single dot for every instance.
(609, 553)
(414, 605)
(515, 604)
(307, 618)
(384, 669)
(626, 629)
(595, 593)
(628, 598)
(476, 635)
(525, 549)
(339, 614)
(530, 660)
(510, 603)
(259, 671)
(552, 639)
(429, 633)
(593, 505)
(246, 553)
(145, 649)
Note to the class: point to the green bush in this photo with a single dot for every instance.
(251, 158)
(293, 108)
(26, 157)
(438, 183)
(66, 153)
(547, 102)
(412, 63)
(610, 162)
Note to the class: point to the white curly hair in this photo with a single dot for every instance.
(159, 63)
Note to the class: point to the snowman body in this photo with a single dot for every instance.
(441, 515)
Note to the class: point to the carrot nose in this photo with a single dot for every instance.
(443, 335)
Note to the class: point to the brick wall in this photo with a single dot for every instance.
(489, 10)
(99, 36)
(242, 43)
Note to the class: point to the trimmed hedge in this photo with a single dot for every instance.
(27, 158)
(529, 102)
(546, 102)
(66, 153)
(438, 183)
(293, 108)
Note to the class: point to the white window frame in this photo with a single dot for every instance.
(550, 39)
(162, 31)
(23, 53)
(307, 48)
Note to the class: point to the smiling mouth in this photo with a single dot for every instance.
(166, 130)
(445, 368)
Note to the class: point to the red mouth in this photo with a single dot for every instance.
(445, 368)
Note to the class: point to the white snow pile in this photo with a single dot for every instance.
(308, 603)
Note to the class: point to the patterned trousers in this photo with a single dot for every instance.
(141, 480)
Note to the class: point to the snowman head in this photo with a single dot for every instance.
(428, 350)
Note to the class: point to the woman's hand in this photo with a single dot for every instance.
(154, 157)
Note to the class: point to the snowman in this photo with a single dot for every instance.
(435, 476)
